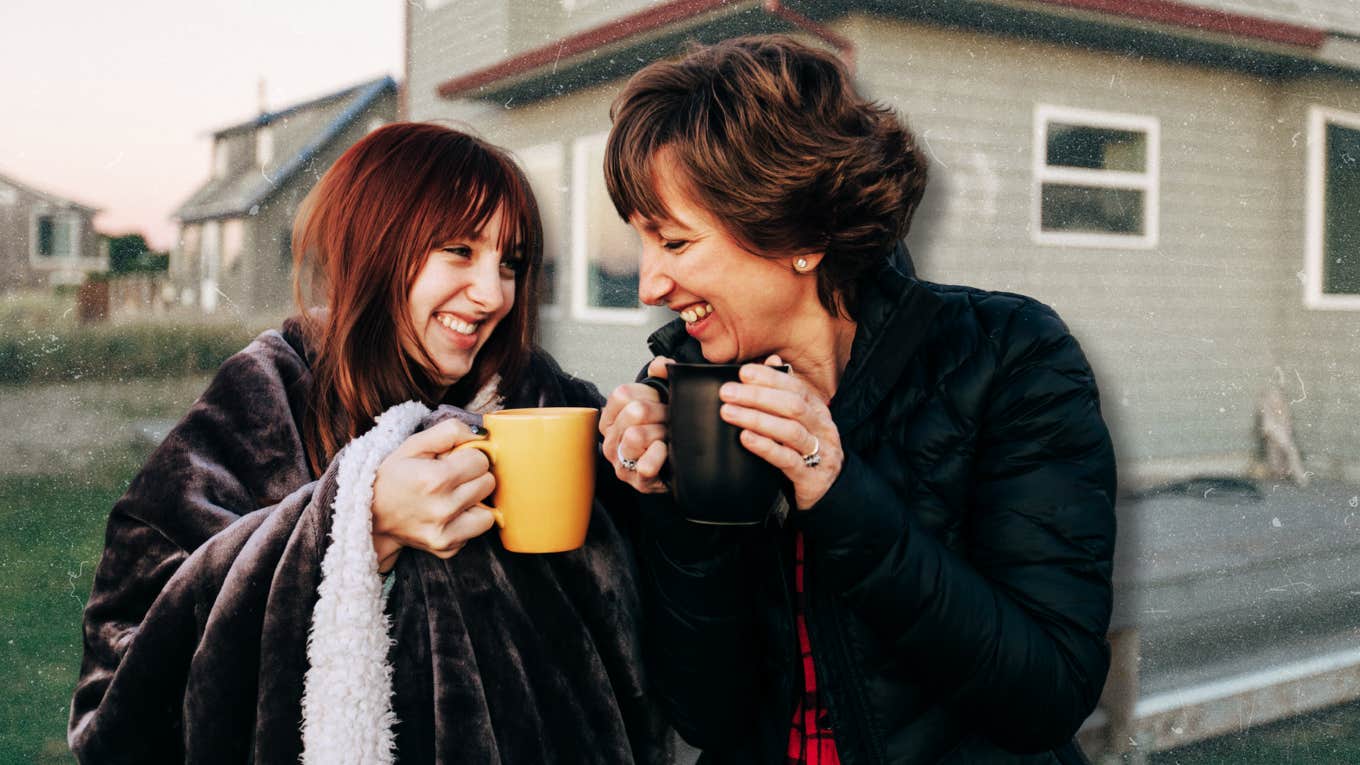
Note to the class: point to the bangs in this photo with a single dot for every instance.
(481, 186)
(629, 159)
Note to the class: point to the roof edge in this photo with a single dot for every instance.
(1163, 13)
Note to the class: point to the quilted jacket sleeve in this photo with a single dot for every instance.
(1015, 633)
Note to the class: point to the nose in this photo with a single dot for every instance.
(485, 287)
(653, 281)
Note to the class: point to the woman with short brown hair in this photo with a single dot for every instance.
(935, 585)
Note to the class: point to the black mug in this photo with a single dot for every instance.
(714, 479)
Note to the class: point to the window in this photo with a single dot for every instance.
(8, 195)
(55, 236)
(220, 158)
(1332, 250)
(233, 241)
(1095, 178)
(264, 146)
(210, 265)
(605, 250)
(544, 165)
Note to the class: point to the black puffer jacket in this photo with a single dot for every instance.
(958, 570)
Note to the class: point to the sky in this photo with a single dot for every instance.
(112, 104)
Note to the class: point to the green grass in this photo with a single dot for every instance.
(51, 532)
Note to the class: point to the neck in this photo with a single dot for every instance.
(822, 351)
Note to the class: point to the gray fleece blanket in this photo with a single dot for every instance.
(231, 621)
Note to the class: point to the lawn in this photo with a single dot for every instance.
(51, 531)
(69, 451)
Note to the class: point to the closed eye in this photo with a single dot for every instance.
(675, 245)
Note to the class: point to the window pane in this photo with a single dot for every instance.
(1097, 148)
(612, 247)
(544, 169)
(1341, 258)
(45, 236)
(61, 237)
(1091, 209)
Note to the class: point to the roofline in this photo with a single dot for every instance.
(617, 30)
(1161, 12)
(368, 93)
(268, 117)
(1200, 19)
(47, 195)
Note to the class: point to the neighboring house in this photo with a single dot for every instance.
(234, 250)
(1181, 180)
(46, 240)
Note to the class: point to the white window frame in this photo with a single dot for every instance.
(540, 156)
(581, 310)
(1148, 182)
(54, 261)
(1316, 210)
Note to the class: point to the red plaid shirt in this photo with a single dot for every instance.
(810, 738)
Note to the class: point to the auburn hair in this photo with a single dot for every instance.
(768, 135)
(360, 239)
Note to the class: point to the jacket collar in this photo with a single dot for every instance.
(895, 314)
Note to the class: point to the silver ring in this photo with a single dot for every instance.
(814, 457)
(627, 463)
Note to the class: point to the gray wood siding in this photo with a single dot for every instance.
(1317, 351)
(1184, 337)
(454, 39)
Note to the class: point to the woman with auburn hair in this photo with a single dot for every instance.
(301, 569)
(934, 587)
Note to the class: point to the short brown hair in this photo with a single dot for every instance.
(770, 137)
(360, 239)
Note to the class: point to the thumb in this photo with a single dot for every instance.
(775, 361)
(657, 367)
(437, 440)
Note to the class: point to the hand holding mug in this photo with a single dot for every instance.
(635, 429)
(427, 498)
(786, 422)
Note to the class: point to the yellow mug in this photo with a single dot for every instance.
(544, 463)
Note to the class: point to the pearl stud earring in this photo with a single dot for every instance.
(800, 264)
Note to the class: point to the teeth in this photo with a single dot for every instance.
(695, 313)
(456, 324)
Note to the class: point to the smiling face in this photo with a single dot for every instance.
(461, 293)
(739, 305)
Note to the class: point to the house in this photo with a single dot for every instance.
(234, 250)
(46, 240)
(1180, 179)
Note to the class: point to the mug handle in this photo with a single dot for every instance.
(484, 446)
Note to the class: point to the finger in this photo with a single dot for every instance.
(468, 525)
(652, 460)
(639, 438)
(467, 494)
(463, 464)
(782, 403)
(775, 361)
(619, 400)
(760, 374)
(436, 440)
(772, 451)
(791, 433)
(657, 367)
